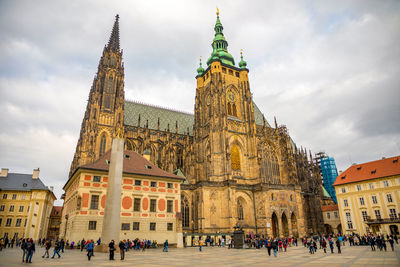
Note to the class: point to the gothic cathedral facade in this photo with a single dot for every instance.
(238, 169)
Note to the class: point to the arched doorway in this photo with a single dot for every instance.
(293, 220)
(285, 225)
(339, 228)
(275, 226)
(328, 229)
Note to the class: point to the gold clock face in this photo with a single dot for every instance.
(231, 96)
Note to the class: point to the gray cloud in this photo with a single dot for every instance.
(328, 70)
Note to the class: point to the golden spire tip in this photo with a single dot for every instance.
(217, 11)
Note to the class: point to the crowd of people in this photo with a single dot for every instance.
(272, 245)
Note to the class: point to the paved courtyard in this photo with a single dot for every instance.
(296, 256)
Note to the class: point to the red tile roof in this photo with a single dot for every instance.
(133, 164)
(370, 170)
(55, 210)
(329, 207)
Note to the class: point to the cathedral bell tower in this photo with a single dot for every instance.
(225, 127)
(104, 115)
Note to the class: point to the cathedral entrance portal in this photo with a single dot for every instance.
(285, 226)
(275, 226)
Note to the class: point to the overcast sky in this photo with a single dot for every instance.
(329, 70)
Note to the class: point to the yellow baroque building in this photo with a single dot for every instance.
(238, 169)
(150, 201)
(368, 197)
(25, 205)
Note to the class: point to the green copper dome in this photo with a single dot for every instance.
(220, 46)
(242, 63)
(200, 70)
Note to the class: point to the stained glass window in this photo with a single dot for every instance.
(235, 158)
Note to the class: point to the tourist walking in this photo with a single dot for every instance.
(323, 244)
(47, 248)
(89, 249)
(338, 246)
(275, 247)
(331, 245)
(200, 245)
(83, 244)
(23, 247)
(62, 245)
(121, 246)
(112, 249)
(57, 247)
(30, 249)
(391, 242)
(269, 246)
(166, 246)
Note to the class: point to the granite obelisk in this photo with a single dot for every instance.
(112, 210)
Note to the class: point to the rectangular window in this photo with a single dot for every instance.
(389, 198)
(374, 200)
(94, 203)
(21, 208)
(92, 225)
(364, 215)
(11, 208)
(328, 215)
(349, 222)
(358, 187)
(170, 185)
(362, 203)
(125, 226)
(138, 182)
(28, 208)
(378, 214)
(2, 207)
(1, 220)
(152, 226)
(23, 197)
(26, 220)
(96, 178)
(4, 196)
(343, 190)
(346, 204)
(371, 186)
(386, 183)
(136, 204)
(335, 214)
(135, 226)
(153, 205)
(18, 223)
(153, 184)
(237, 74)
(170, 206)
(392, 214)
(14, 196)
(170, 226)
(8, 222)
(231, 72)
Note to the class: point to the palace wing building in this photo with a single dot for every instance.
(238, 169)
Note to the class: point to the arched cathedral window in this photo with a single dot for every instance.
(107, 101)
(235, 158)
(229, 109)
(103, 142)
(272, 172)
(179, 159)
(185, 211)
(240, 211)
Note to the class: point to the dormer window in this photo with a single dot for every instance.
(148, 167)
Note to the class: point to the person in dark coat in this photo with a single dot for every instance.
(89, 249)
(30, 247)
(121, 246)
(338, 246)
(111, 245)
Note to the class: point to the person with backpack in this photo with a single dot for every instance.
(23, 247)
(338, 244)
(47, 247)
(323, 244)
(275, 247)
(269, 246)
(89, 249)
(121, 246)
(166, 246)
(57, 247)
(30, 248)
(331, 245)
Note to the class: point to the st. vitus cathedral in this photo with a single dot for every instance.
(239, 170)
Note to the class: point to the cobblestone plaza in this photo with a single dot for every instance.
(295, 256)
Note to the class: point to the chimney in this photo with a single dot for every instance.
(35, 174)
(146, 155)
(51, 188)
(4, 172)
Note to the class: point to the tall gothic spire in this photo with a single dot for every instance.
(113, 43)
(220, 45)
